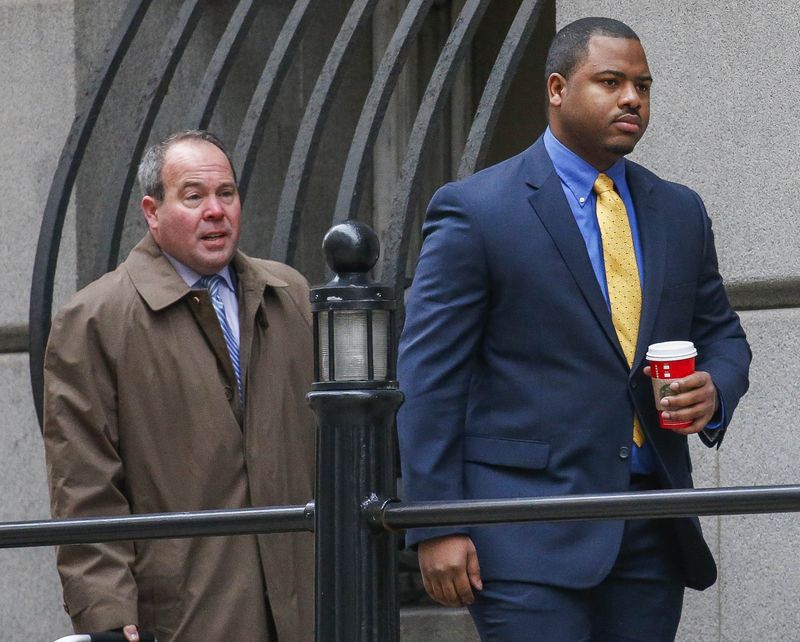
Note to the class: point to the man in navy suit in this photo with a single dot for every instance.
(518, 379)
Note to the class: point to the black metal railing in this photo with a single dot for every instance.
(383, 513)
(359, 615)
(89, 530)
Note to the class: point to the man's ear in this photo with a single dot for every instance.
(150, 211)
(556, 86)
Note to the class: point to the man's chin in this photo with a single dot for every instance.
(211, 264)
(622, 148)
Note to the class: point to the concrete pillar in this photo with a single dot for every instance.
(37, 66)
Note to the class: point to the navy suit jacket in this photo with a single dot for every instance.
(515, 382)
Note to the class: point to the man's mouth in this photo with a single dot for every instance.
(213, 235)
(630, 123)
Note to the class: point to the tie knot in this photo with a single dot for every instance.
(603, 184)
(210, 282)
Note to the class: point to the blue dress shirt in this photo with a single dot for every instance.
(577, 180)
(228, 293)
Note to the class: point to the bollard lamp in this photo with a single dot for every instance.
(353, 317)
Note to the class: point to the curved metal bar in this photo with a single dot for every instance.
(153, 94)
(371, 118)
(293, 195)
(55, 211)
(280, 58)
(217, 71)
(494, 94)
(399, 229)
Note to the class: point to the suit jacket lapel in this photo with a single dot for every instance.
(551, 207)
(653, 243)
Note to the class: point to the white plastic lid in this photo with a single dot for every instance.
(671, 351)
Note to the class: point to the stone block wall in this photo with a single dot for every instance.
(37, 65)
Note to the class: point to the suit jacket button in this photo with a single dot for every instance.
(634, 385)
(228, 393)
(624, 452)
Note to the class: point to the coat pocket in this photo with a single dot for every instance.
(514, 453)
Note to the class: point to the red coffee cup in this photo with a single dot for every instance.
(669, 360)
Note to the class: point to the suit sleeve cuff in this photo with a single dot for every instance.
(718, 419)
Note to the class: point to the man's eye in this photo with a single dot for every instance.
(645, 89)
(610, 82)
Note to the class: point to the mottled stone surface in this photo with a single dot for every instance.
(30, 593)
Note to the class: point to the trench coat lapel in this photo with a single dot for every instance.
(551, 207)
(253, 295)
(153, 275)
(160, 286)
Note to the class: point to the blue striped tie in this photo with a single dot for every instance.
(212, 283)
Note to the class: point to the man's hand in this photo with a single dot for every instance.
(693, 398)
(131, 633)
(450, 569)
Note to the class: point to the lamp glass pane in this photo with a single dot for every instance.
(350, 345)
(324, 358)
(380, 343)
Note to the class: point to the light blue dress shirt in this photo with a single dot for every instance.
(577, 180)
(227, 293)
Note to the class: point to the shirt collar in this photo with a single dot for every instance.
(191, 277)
(578, 175)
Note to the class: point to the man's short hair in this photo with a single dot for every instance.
(571, 44)
(152, 163)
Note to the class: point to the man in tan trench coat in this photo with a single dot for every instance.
(143, 414)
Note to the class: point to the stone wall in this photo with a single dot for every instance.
(37, 65)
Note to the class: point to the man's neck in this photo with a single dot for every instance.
(191, 276)
(600, 161)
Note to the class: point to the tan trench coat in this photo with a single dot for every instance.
(142, 415)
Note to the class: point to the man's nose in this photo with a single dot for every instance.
(630, 97)
(213, 207)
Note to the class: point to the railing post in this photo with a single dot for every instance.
(355, 398)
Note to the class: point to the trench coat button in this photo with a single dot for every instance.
(228, 393)
(624, 452)
(196, 300)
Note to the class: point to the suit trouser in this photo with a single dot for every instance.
(640, 599)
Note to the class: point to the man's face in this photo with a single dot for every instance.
(198, 220)
(601, 111)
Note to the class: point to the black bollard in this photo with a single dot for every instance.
(355, 398)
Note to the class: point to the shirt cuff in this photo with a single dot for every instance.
(718, 419)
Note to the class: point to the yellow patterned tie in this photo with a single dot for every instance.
(622, 273)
